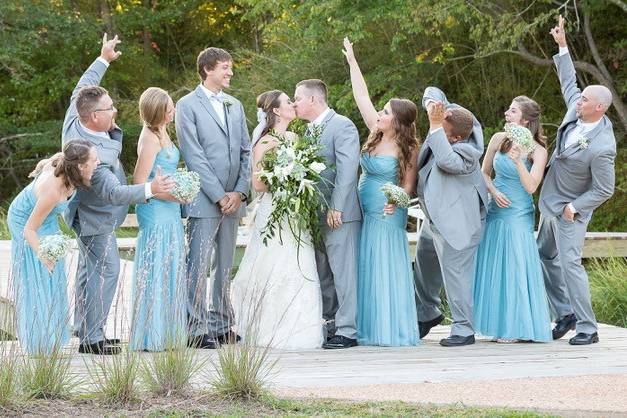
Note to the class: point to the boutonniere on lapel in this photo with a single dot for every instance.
(227, 103)
(583, 142)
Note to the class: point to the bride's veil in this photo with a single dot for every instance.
(263, 122)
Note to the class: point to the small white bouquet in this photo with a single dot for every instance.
(187, 184)
(396, 195)
(53, 247)
(521, 136)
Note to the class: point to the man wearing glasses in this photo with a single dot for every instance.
(97, 210)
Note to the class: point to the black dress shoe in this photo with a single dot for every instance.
(100, 348)
(584, 339)
(426, 326)
(202, 341)
(339, 341)
(229, 338)
(564, 325)
(457, 341)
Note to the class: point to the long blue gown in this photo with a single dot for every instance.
(40, 296)
(509, 295)
(159, 289)
(386, 308)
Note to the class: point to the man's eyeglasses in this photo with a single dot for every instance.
(112, 108)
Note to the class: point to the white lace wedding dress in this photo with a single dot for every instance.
(276, 292)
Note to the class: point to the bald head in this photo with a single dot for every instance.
(593, 103)
(601, 94)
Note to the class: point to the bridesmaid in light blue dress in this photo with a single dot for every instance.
(386, 307)
(159, 289)
(40, 286)
(510, 301)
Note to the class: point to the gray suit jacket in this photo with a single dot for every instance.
(341, 153)
(450, 184)
(583, 177)
(220, 154)
(104, 205)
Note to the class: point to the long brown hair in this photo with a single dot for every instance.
(404, 112)
(530, 111)
(268, 101)
(153, 109)
(66, 162)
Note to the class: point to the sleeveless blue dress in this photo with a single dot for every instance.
(386, 308)
(40, 296)
(159, 284)
(509, 295)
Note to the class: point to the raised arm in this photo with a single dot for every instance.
(565, 68)
(462, 158)
(91, 77)
(360, 89)
(530, 179)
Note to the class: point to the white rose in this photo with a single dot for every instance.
(317, 167)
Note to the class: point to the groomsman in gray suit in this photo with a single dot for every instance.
(96, 211)
(579, 179)
(337, 259)
(453, 196)
(211, 130)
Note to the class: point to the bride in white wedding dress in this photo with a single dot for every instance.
(276, 292)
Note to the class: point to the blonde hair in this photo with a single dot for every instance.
(153, 109)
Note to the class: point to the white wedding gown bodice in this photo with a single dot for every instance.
(276, 292)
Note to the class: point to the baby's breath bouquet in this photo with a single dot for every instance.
(395, 195)
(292, 171)
(53, 247)
(187, 184)
(521, 136)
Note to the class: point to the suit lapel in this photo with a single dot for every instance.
(588, 135)
(562, 133)
(229, 121)
(423, 155)
(204, 100)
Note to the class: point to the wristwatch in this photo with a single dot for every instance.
(243, 197)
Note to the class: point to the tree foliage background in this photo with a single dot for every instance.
(481, 53)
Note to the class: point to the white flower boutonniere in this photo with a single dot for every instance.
(227, 103)
(583, 142)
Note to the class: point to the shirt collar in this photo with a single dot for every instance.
(320, 118)
(587, 126)
(95, 133)
(211, 95)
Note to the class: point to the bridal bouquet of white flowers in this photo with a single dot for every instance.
(292, 171)
(187, 184)
(521, 136)
(53, 247)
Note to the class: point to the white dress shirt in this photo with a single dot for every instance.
(317, 121)
(217, 101)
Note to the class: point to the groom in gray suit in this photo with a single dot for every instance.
(579, 179)
(96, 211)
(211, 130)
(453, 196)
(336, 260)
